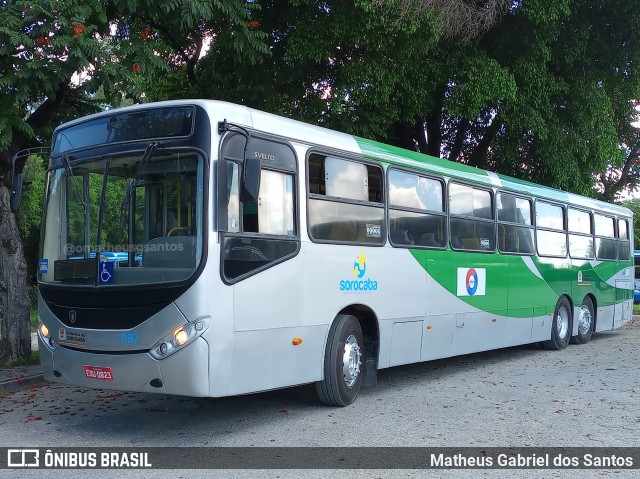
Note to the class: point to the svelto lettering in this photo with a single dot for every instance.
(264, 156)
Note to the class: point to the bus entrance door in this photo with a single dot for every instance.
(622, 310)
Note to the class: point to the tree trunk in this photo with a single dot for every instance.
(403, 136)
(458, 143)
(15, 332)
(434, 132)
(479, 157)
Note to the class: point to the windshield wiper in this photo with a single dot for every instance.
(148, 153)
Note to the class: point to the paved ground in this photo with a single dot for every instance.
(584, 396)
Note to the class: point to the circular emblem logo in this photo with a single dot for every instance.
(472, 281)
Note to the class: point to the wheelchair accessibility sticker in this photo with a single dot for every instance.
(105, 272)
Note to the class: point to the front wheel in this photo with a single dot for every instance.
(586, 322)
(342, 361)
(561, 326)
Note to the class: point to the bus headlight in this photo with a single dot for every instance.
(179, 338)
(44, 331)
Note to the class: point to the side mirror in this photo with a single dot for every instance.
(16, 191)
(250, 180)
(18, 162)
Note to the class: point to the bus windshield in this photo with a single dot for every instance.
(134, 218)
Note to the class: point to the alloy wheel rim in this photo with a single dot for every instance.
(584, 320)
(351, 361)
(562, 322)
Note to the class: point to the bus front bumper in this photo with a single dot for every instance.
(184, 373)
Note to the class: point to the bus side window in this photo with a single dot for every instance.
(471, 218)
(515, 227)
(345, 202)
(416, 210)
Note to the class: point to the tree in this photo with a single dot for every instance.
(54, 58)
(545, 94)
(634, 206)
(616, 180)
(562, 106)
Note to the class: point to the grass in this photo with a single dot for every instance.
(35, 355)
(33, 319)
(636, 308)
(34, 359)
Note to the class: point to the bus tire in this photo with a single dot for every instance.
(342, 360)
(586, 322)
(560, 327)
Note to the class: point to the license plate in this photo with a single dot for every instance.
(97, 372)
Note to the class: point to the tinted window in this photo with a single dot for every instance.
(472, 235)
(273, 213)
(515, 239)
(551, 243)
(580, 221)
(244, 255)
(513, 209)
(413, 191)
(339, 178)
(345, 222)
(135, 125)
(408, 228)
(345, 203)
(581, 246)
(624, 252)
(605, 226)
(469, 201)
(275, 204)
(549, 216)
(623, 229)
(606, 248)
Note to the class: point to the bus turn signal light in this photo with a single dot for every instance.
(296, 341)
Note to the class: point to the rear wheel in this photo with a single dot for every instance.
(561, 327)
(342, 361)
(586, 322)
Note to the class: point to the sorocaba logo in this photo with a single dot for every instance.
(360, 283)
(360, 266)
(472, 282)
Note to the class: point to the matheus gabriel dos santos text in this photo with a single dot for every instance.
(530, 461)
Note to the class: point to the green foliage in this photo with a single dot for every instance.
(574, 74)
(29, 215)
(343, 66)
(634, 206)
(479, 82)
(537, 97)
(55, 56)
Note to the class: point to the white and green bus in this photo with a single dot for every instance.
(203, 248)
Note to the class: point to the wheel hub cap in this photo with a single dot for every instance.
(562, 322)
(584, 320)
(351, 361)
